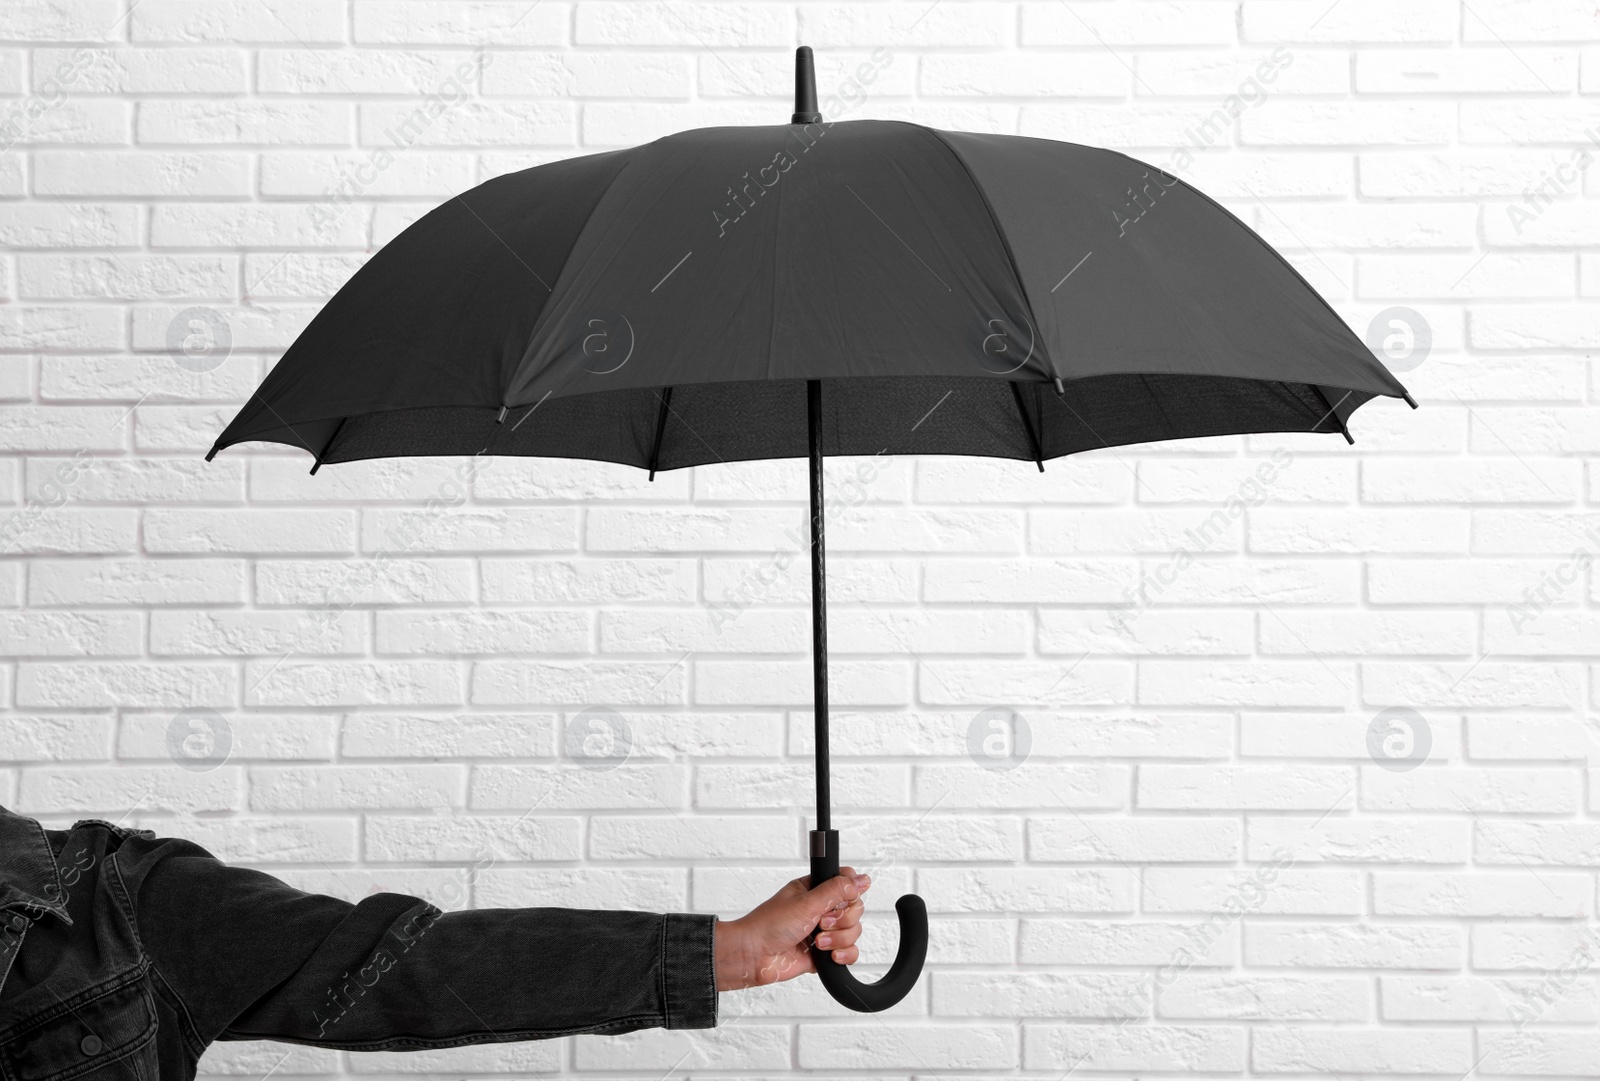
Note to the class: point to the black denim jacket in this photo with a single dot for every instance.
(123, 955)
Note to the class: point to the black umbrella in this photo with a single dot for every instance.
(816, 289)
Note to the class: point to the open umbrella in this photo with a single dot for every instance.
(816, 289)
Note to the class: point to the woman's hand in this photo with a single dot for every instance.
(772, 942)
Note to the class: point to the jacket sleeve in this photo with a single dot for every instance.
(252, 958)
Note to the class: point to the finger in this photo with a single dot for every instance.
(847, 956)
(833, 895)
(848, 916)
(839, 939)
(862, 879)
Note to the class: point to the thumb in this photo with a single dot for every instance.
(835, 893)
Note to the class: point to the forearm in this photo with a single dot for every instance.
(484, 976)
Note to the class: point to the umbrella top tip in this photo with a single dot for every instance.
(805, 88)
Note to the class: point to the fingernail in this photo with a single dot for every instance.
(861, 882)
(828, 922)
(824, 941)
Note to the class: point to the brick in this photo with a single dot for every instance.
(1496, 790)
(1499, 999)
(69, 634)
(69, 225)
(1144, 840)
(1527, 20)
(1352, 123)
(627, 581)
(1415, 1051)
(1259, 683)
(1268, 890)
(740, 1047)
(293, 682)
(1180, 22)
(202, 633)
(305, 21)
(1478, 893)
(412, 72)
(1486, 683)
(250, 531)
(1363, 21)
(142, 174)
(252, 737)
(253, 225)
(1244, 788)
(465, 735)
(568, 787)
(638, 888)
(1028, 889)
(134, 70)
(275, 840)
(1138, 1048)
(793, 785)
(403, 838)
(313, 788)
(1165, 631)
(1540, 1053)
(335, 179)
(1505, 946)
(451, 22)
(1482, 70)
(1201, 996)
(108, 791)
(879, 1046)
(698, 837)
(463, 529)
(337, 585)
(56, 738)
(1356, 946)
(1367, 634)
(1039, 994)
(135, 480)
(135, 582)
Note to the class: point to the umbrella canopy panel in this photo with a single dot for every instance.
(938, 283)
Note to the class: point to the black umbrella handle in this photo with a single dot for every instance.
(902, 975)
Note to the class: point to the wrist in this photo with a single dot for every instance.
(730, 957)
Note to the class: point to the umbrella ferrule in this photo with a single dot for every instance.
(805, 88)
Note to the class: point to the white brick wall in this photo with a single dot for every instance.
(1208, 852)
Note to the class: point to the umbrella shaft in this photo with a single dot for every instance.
(819, 606)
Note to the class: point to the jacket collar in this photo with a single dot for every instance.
(29, 875)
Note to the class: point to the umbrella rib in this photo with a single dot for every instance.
(661, 427)
(1344, 429)
(898, 237)
(1027, 422)
(328, 446)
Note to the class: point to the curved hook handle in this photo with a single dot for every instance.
(902, 975)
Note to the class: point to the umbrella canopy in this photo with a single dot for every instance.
(816, 289)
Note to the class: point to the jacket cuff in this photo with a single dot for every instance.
(689, 970)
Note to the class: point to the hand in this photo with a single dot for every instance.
(772, 942)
